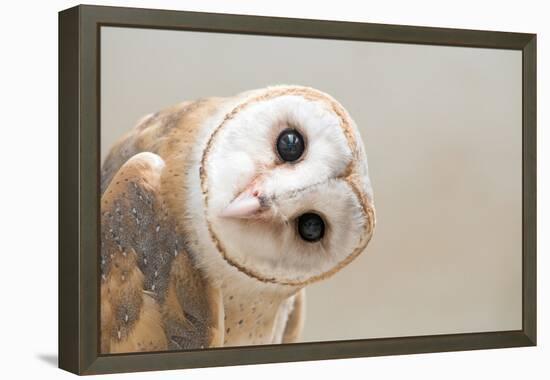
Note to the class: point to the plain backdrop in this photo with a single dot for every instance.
(29, 188)
(443, 138)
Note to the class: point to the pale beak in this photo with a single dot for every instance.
(245, 205)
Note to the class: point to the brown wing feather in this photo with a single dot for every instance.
(152, 296)
(166, 133)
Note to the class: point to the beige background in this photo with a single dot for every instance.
(442, 128)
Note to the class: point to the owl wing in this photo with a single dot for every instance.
(152, 296)
(296, 318)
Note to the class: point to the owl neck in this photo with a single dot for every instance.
(233, 279)
(254, 312)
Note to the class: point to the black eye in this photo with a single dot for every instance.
(311, 227)
(290, 145)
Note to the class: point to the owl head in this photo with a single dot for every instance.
(284, 186)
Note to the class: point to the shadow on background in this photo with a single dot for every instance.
(50, 359)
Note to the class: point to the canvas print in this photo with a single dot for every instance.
(237, 201)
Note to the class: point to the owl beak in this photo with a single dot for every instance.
(247, 204)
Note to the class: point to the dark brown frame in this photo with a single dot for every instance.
(79, 164)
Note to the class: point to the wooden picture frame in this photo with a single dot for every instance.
(79, 164)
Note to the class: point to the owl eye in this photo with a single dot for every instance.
(311, 227)
(290, 145)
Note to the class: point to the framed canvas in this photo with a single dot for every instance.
(242, 189)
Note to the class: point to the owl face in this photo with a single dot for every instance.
(286, 189)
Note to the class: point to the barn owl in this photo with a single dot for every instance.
(216, 213)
